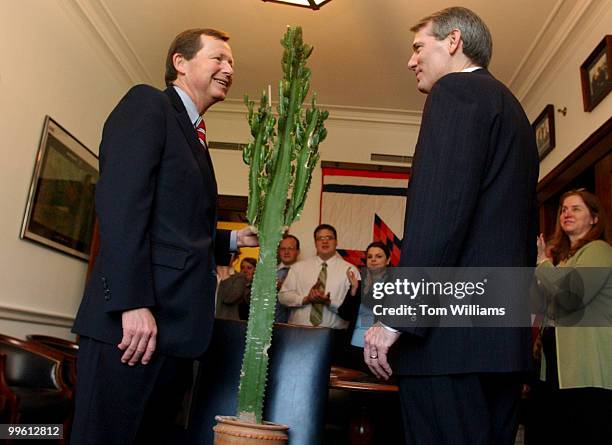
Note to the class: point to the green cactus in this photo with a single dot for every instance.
(281, 157)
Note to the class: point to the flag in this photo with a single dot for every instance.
(364, 206)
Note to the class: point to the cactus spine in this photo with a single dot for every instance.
(281, 157)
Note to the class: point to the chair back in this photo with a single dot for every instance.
(60, 344)
(29, 365)
(297, 384)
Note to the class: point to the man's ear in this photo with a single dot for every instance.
(454, 42)
(178, 61)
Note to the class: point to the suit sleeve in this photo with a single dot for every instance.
(222, 246)
(130, 153)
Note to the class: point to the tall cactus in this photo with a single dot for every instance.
(281, 156)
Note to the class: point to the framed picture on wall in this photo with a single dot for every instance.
(544, 129)
(60, 207)
(596, 74)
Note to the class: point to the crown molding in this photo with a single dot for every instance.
(96, 17)
(339, 113)
(542, 64)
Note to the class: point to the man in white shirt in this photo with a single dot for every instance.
(316, 287)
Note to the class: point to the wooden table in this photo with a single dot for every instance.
(361, 430)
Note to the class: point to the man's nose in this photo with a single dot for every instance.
(412, 62)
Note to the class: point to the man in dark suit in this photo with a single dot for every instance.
(471, 202)
(148, 306)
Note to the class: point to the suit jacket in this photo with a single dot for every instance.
(472, 203)
(156, 201)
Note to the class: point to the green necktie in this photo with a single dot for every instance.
(316, 311)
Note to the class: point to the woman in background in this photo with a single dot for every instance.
(360, 317)
(577, 360)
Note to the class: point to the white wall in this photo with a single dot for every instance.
(559, 82)
(50, 64)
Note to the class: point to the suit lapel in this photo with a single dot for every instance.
(202, 156)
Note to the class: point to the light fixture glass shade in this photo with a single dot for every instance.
(312, 4)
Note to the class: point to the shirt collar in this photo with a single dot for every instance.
(470, 69)
(190, 106)
(328, 261)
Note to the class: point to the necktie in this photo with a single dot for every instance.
(316, 311)
(200, 127)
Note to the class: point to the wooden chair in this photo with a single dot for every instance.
(66, 348)
(8, 400)
(34, 376)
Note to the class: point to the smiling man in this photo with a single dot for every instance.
(471, 203)
(148, 306)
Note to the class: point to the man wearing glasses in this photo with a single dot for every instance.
(316, 287)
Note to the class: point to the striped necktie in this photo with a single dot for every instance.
(316, 311)
(200, 127)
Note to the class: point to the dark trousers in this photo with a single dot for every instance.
(462, 409)
(121, 404)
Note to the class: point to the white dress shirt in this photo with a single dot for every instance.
(300, 279)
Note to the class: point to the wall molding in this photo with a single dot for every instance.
(338, 113)
(545, 62)
(27, 315)
(97, 18)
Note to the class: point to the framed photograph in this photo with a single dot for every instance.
(544, 129)
(60, 209)
(596, 75)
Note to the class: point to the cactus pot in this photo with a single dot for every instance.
(231, 431)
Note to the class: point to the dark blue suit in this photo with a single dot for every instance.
(471, 202)
(157, 206)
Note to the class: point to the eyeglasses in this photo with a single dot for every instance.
(287, 249)
(325, 238)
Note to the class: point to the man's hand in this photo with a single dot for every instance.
(323, 299)
(316, 296)
(139, 336)
(378, 340)
(247, 237)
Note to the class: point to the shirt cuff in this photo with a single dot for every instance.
(388, 328)
(233, 246)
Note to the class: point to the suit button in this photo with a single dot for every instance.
(107, 294)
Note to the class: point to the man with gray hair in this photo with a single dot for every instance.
(471, 203)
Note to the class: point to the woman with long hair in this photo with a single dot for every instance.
(577, 333)
(360, 317)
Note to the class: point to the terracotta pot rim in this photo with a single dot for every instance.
(233, 420)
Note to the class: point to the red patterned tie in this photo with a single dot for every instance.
(201, 130)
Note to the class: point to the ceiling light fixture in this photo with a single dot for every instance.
(311, 4)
